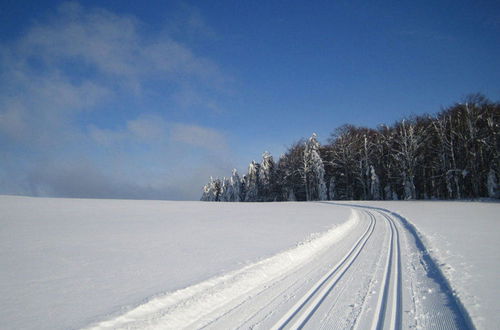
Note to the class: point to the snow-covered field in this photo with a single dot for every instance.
(65, 263)
(70, 263)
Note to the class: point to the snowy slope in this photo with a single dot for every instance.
(66, 263)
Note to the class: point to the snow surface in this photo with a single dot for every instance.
(67, 263)
(463, 237)
(179, 309)
(70, 263)
(370, 272)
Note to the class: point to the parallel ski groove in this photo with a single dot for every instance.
(315, 296)
(396, 291)
(378, 318)
(391, 284)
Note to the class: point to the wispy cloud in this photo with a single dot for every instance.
(199, 137)
(70, 74)
(145, 128)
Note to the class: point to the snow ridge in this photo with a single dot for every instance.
(202, 303)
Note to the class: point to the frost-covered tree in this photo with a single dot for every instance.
(267, 177)
(314, 171)
(445, 160)
(252, 182)
(290, 176)
(205, 197)
(243, 188)
(235, 187)
(342, 162)
(226, 190)
(454, 154)
(212, 191)
(406, 151)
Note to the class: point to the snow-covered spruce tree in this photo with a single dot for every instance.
(205, 197)
(243, 188)
(267, 177)
(225, 190)
(212, 190)
(314, 170)
(253, 183)
(235, 184)
(216, 189)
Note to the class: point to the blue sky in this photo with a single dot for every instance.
(129, 99)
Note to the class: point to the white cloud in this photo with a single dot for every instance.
(153, 128)
(65, 70)
(199, 137)
(82, 57)
(148, 128)
(113, 45)
(143, 129)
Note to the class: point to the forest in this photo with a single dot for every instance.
(453, 154)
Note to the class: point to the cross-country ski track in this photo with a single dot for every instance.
(371, 272)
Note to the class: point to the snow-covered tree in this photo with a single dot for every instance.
(225, 190)
(342, 162)
(243, 188)
(314, 171)
(235, 184)
(454, 154)
(252, 182)
(267, 178)
(291, 173)
(205, 197)
(212, 191)
(407, 146)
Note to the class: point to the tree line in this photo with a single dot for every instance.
(453, 154)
